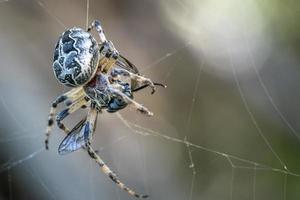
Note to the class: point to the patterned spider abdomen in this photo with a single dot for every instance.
(76, 57)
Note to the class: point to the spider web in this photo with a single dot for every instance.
(165, 157)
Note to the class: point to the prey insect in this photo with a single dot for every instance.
(101, 79)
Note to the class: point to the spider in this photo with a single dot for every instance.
(100, 78)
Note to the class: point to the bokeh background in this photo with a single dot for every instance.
(227, 126)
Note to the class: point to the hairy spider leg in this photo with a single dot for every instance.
(97, 25)
(107, 171)
(139, 107)
(72, 96)
(106, 62)
(144, 81)
(71, 108)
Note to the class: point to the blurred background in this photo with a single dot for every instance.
(227, 127)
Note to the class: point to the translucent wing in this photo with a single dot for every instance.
(129, 66)
(126, 64)
(74, 140)
(80, 134)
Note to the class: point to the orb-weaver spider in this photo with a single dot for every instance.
(96, 72)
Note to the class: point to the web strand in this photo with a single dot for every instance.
(148, 132)
(232, 182)
(194, 98)
(188, 125)
(12, 115)
(266, 91)
(164, 57)
(192, 167)
(232, 176)
(142, 131)
(254, 182)
(255, 123)
(11, 165)
(144, 163)
(87, 14)
(44, 7)
(284, 186)
(264, 87)
(42, 183)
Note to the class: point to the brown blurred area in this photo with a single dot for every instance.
(232, 70)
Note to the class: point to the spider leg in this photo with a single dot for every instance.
(139, 107)
(144, 86)
(135, 77)
(71, 95)
(106, 170)
(71, 108)
(97, 25)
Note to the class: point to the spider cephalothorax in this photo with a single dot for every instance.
(101, 79)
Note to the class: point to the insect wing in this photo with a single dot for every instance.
(129, 66)
(75, 139)
(126, 64)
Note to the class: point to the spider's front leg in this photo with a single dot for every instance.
(116, 72)
(107, 49)
(97, 25)
(116, 92)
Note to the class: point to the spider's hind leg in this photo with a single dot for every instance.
(71, 108)
(71, 95)
(106, 170)
(89, 128)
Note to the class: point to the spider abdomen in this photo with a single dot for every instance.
(76, 57)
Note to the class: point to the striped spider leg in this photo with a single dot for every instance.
(81, 136)
(107, 49)
(71, 96)
(116, 92)
(80, 103)
(116, 89)
(106, 170)
(97, 25)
